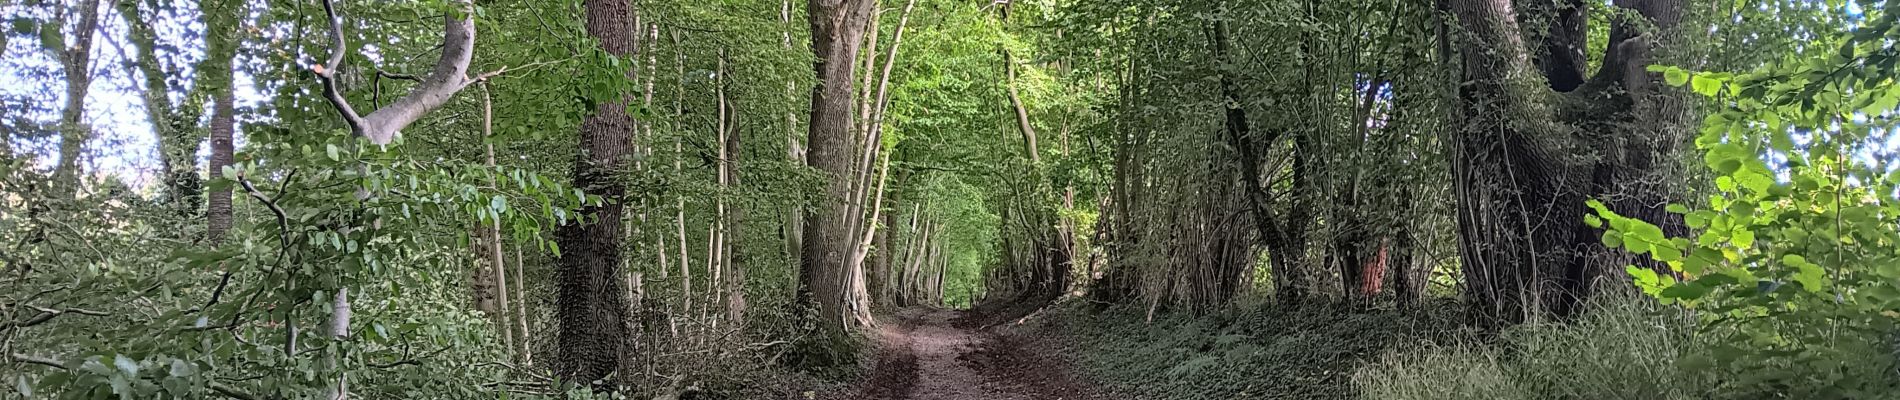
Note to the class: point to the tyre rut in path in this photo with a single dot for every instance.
(925, 356)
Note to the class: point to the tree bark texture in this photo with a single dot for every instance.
(221, 46)
(1530, 153)
(590, 306)
(837, 29)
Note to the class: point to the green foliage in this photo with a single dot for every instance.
(1791, 261)
(1625, 349)
(1269, 352)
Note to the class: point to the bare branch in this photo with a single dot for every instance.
(449, 76)
(47, 314)
(327, 71)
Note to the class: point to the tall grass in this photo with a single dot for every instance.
(1624, 349)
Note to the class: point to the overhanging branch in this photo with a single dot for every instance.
(449, 76)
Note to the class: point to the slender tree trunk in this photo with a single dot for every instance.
(881, 264)
(735, 216)
(679, 206)
(221, 43)
(881, 255)
(76, 62)
(526, 348)
(794, 218)
(491, 234)
(920, 251)
(592, 311)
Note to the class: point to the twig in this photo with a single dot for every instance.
(504, 69)
(47, 314)
(410, 360)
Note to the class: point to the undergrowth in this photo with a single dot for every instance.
(1260, 353)
(1626, 349)
(1622, 350)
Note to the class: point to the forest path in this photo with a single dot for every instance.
(925, 354)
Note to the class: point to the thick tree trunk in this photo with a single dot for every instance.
(1515, 209)
(591, 307)
(1520, 193)
(837, 28)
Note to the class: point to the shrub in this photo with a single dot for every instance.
(1627, 348)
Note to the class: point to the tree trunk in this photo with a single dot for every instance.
(221, 20)
(76, 62)
(525, 343)
(491, 232)
(735, 216)
(592, 311)
(1520, 190)
(881, 255)
(837, 28)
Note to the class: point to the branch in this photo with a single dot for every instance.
(449, 76)
(327, 72)
(47, 314)
(409, 360)
(391, 75)
(48, 362)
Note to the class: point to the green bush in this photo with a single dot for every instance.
(1629, 349)
(1268, 352)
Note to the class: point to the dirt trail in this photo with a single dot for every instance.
(924, 355)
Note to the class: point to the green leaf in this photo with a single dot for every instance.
(1612, 240)
(1677, 208)
(1806, 273)
(1675, 76)
(1700, 259)
(1686, 291)
(1725, 183)
(1755, 182)
(331, 151)
(1666, 254)
(1704, 85)
(1742, 238)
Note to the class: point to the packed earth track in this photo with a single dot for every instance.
(930, 354)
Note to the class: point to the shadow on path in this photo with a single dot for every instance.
(929, 354)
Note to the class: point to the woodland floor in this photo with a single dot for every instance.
(932, 354)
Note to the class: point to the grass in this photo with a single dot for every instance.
(1260, 353)
(1629, 349)
(1625, 348)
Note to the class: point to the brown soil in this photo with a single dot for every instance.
(925, 354)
